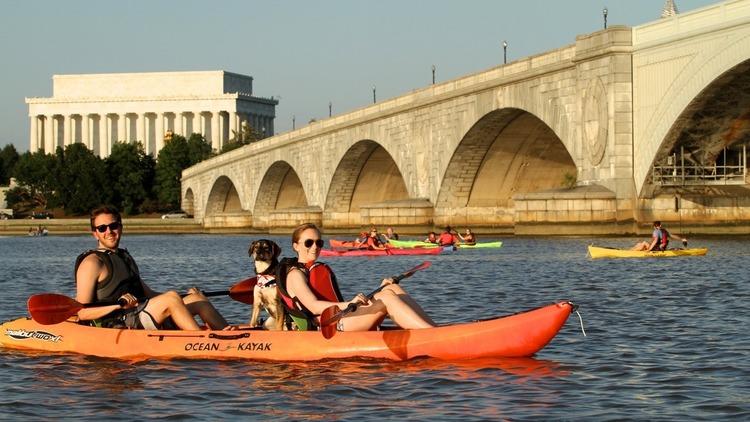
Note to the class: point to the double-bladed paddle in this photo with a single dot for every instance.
(52, 308)
(333, 314)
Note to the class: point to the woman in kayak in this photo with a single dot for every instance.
(392, 301)
(374, 242)
(468, 238)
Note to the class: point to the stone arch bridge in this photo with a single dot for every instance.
(586, 138)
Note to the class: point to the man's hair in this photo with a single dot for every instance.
(657, 223)
(104, 209)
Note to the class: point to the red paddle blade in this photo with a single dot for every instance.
(327, 316)
(50, 308)
(243, 291)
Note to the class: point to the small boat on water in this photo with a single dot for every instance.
(420, 244)
(518, 335)
(381, 252)
(596, 252)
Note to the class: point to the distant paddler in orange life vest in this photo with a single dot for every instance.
(310, 288)
(374, 241)
(447, 237)
(659, 240)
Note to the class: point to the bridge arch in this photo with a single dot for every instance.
(188, 202)
(506, 152)
(223, 198)
(366, 174)
(280, 188)
(705, 108)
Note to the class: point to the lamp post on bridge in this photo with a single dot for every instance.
(330, 107)
(604, 13)
(373, 95)
(433, 74)
(294, 120)
(505, 52)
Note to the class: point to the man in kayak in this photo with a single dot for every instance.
(110, 275)
(390, 234)
(447, 238)
(392, 301)
(659, 240)
(431, 238)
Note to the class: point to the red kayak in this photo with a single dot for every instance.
(382, 252)
(346, 244)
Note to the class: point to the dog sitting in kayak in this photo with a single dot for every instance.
(265, 255)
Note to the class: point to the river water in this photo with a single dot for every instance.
(667, 339)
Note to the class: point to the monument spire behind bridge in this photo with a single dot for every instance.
(670, 9)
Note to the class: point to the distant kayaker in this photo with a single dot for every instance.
(374, 241)
(447, 237)
(361, 240)
(431, 238)
(468, 238)
(659, 240)
(110, 274)
(390, 234)
(392, 301)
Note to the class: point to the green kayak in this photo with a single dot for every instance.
(420, 244)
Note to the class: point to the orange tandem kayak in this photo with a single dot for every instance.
(518, 335)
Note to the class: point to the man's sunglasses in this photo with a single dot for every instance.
(111, 226)
(318, 242)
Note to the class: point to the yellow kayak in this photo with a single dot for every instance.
(603, 252)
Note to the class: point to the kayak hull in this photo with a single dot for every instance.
(420, 244)
(382, 252)
(600, 252)
(518, 335)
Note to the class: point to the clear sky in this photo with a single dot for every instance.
(307, 53)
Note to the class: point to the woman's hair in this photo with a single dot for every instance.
(301, 228)
(105, 209)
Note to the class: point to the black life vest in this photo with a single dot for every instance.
(124, 276)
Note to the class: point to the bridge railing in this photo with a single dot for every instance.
(676, 172)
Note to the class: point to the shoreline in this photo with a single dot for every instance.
(156, 225)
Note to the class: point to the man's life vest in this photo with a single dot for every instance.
(664, 240)
(124, 277)
(322, 282)
(446, 239)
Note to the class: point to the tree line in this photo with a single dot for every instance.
(76, 180)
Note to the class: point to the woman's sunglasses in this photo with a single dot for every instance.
(111, 226)
(317, 242)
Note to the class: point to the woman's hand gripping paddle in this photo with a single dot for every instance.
(52, 308)
(333, 314)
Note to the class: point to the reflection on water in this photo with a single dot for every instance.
(666, 339)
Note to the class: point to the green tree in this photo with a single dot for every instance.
(129, 175)
(8, 159)
(246, 135)
(36, 174)
(81, 179)
(198, 148)
(173, 158)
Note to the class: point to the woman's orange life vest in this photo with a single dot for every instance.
(320, 279)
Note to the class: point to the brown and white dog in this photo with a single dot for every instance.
(265, 254)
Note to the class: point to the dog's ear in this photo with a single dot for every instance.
(251, 248)
(276, 249)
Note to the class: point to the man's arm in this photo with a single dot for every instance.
(88, 274)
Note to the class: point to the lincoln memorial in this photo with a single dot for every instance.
(101, 109)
